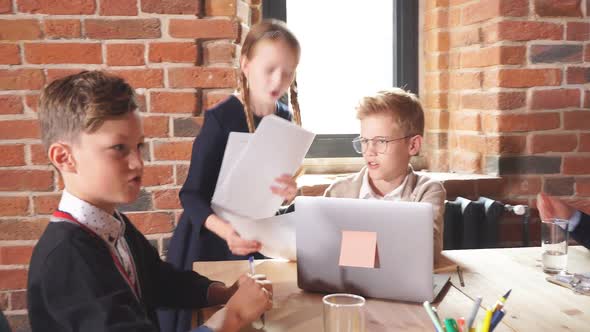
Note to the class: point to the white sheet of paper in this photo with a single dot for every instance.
(236, 146)
(277, 147)
(277, 233)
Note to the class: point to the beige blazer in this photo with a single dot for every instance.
(418, 188)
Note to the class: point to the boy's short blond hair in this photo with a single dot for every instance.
(81, 103)
(403, 106)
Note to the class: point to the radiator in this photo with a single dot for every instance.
(472, 224)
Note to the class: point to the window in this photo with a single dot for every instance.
(348, 51)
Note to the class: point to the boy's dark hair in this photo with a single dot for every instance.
(81, 103)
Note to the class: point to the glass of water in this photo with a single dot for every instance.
(554, 237)
(344, 313)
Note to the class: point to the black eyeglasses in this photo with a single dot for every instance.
(361, 144)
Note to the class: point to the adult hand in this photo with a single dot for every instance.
(551, 207)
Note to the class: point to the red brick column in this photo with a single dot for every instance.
(506, 89)
(180, 55)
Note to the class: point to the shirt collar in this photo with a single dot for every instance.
(106, 226)
(366, 192)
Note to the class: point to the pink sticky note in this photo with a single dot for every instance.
(358, 249)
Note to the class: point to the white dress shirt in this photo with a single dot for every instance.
(110, 229)
(366, 192)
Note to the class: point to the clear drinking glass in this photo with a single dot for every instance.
(554, 237)
(344, 313)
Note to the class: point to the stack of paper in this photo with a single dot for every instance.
(251, 164)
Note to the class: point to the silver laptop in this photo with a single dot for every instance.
(404, 246)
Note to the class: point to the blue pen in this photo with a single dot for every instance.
(498, 315)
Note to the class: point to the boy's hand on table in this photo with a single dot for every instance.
(258, 278)
(251, 299)
(249, 302)
(220, 294)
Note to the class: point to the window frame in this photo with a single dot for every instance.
(405, 70)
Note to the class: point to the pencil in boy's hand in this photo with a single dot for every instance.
(251, 263)
(252, 273)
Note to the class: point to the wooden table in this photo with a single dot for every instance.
(296, 310)
(534, 304)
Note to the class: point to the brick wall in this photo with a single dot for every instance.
(506, 88)
(180, 55)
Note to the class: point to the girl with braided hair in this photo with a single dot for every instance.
(269, 57)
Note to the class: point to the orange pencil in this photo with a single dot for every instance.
(461, 323)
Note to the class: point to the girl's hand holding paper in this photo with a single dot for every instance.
(239, 246)
(286, 187)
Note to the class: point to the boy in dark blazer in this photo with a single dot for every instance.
(92, 270)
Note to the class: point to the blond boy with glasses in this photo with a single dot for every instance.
(392, 125)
